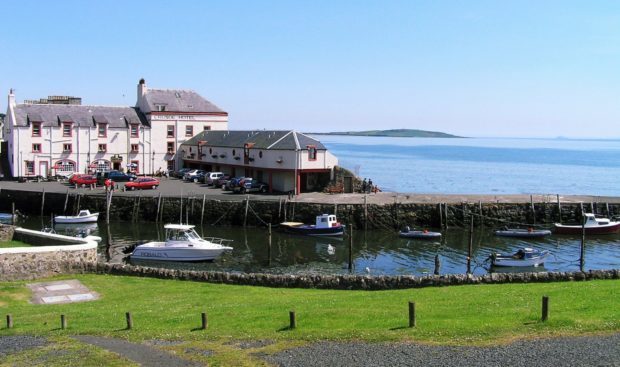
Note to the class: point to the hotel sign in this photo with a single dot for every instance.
(173, 117)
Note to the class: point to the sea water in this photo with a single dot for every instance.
(482, 165)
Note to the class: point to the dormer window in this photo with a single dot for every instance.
(36, 129)
(102, 130)
(134, 131)
(160, 107)
(311, 153)
(66, 129)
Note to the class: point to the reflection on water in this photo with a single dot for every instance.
(374, 252)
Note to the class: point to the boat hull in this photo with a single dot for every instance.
(523, 233)
(158, 251)
(310, 230)
(73, 220)
(509, 261)
(577, 229)
(420, 235)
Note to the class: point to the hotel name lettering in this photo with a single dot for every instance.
(173, 117)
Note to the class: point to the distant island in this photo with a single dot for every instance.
(401, 133)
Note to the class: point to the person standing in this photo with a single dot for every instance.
(369, 185)
(364, 185)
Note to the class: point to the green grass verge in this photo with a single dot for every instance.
(6, 244)
(169, 309)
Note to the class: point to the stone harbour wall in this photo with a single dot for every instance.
(261, 212)
(346, 282)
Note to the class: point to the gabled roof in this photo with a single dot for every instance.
(179, 101)
(52, 115)
(263, 139)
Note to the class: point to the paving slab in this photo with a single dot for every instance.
(62, 291)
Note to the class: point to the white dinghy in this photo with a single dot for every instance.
(182, 244)
(525, 256)
(84, 216)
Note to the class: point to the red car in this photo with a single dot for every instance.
(84, 180)
(142, 183)
(74, 177)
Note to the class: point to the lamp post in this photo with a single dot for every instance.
(153, 162)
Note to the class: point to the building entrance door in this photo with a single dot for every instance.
(43, 168)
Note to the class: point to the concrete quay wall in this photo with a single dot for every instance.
(53, 255)
(259, 211)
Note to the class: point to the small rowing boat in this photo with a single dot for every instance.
(522, 233)
(424, 234)
(525, 256)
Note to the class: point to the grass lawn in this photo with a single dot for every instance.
(5, 244)
(170, 310)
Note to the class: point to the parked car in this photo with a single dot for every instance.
(190, 175)
(222, 181)
(232, 183)
(250, 185)
(74, 177)
(116, 176)
(211, 178)
(142, 183)
(84, 180)
(180, 173)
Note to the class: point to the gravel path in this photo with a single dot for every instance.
(13, 344)
(574, 351)
(142, 354)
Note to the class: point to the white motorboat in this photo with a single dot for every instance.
(424, 234)
(525, 256)
(522, 233)
(592, 225)
(182, 244)
(84, 216)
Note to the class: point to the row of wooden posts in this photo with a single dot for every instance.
(443, 208)
(292, 317)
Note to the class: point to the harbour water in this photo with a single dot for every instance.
(374, 252)
(482, 165)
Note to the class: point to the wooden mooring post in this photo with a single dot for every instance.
(108, 205)
(471, 244)
(269, 247)
(13, 213)
(440, 216)
(582, 249)
(204, 321)
(480, 213)
(158, 207)
(9, 321)
(247, 206)
(412, 321)
(559, 210)
(202, 211)
(351, 246)
(437, 265)
(545, 308)
(292, 320)
(63, 322)
(64, 210)
(42, 201)
(365, 212)
(446, 213)
(129, 320)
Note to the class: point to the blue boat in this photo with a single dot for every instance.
(326, 225)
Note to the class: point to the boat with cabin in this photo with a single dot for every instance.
(592, 225)
(182, 244)
(407, 232)
(325, 225)
(522, 232)
(525, 256)
(84, 216)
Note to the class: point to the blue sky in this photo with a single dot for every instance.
(474, 68)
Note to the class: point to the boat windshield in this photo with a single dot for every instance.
(192, 235)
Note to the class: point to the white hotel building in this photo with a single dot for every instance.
(47, 139)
